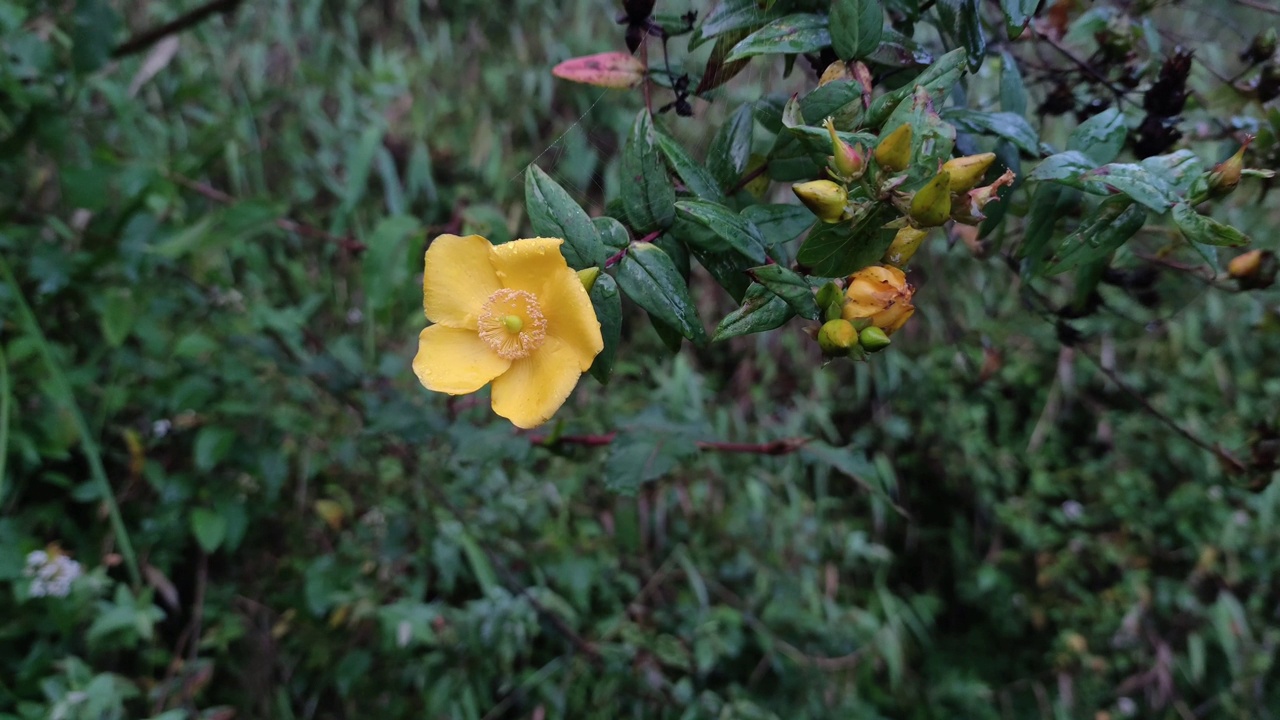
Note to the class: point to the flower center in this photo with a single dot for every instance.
(512, 323)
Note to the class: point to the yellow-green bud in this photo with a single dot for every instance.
(968, 170)
(904, 246)
(893, 153)
(837, 338)
(931, 205)
(588, 277)
(830, 301)
(873, 339)
(1225, 176)
(826, 199)
(846, 161)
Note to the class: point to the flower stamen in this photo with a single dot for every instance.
(512, 323)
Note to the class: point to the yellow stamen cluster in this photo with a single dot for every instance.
(512, 323)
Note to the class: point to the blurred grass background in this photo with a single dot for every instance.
(983, 525)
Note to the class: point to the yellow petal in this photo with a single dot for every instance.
(570, 317)
(455, 361)
(457, 278)
(528, 264)
(535, 387)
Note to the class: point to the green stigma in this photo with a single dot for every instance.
(513, 323)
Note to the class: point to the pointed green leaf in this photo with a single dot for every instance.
(612, 233)
(761, 310)
(647, 191)
(838, 249)
(778, 224)
(1133, 180)
(736, 232)
(791, 35)
(553, 213)
(731, 147)
(1203, 229)
(1064, 167)
(1101, 137)
(608, 306)
(1017, 15)
(695, 175)
(1005, 125)
(790, 286)
(856, 27)
(209, 528)
(962, 20)
(1113, 222)
(647, 275)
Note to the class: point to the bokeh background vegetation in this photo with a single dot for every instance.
(212, 252)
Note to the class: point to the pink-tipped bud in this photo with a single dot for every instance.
(847, 162)
(1225, 176)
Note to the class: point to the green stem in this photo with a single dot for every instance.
(63, 387)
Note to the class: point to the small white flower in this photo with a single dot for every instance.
(161, 427)
(1073, 510)
(1127, 707)
(354, 316)
(51, 577)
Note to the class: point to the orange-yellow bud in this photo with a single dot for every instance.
(931, 205)
(1254, 270)
(880, 295)
(967, 208)
(1225, 176)
(904, 246)
(968, 170)
(893, 153)
(847, 162)
(826, 199)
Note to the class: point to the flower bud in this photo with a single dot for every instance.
(880, 295)
(837, 338)
(846, 161)
(904, 246)
(893, 153)
(966, 208)
(1254, 270)
(826, 199)
(931, 205)
(830, 301)
(968, 170)
(588, 277)
(873, 339)
(1225, 176)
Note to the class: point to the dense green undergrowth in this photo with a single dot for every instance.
(209, 292)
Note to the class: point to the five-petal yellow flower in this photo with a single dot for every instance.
(513, 314)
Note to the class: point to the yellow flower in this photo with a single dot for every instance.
(880, 295)
(513, 314)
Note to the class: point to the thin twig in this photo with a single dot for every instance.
(1258, 5)
(147, 38)
(1084, 65)
(347, 242)
(746, 179)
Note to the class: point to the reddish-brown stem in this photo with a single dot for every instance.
(746, 179)
(616, 258)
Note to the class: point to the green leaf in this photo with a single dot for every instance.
(856, 27)
(831, 99)
(1013, 91)
(899, 51)
(731, 147)
(212, 445)
(1113, 222)
(608, 306)
(963, 17)
(93, 31)
(1065, 167)
(209, 528)
(612, 233)
(761, 310)
(358, 164)
(1178, 169)
(1017, 15)
(1004, 125)
(645, 452)
(791, 35)
(732, 15)
(647, 275)
(553, 213)
(1101, 137)
(185, 241)
(1204, 229)
(1135, 181)
(736, 232)
(385, 271)
(1049, 203)
(838, 249)
(119, 312)
(780, 223)
(937, 80)
(647, 191)
(695, 175)
(790, 286)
